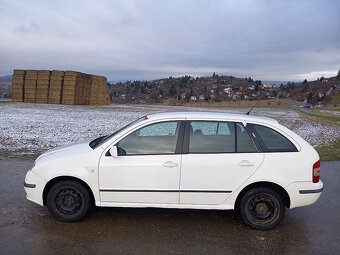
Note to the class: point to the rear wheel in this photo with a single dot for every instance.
(262, 208)
(68, 201)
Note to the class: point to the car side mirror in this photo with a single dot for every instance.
(114, 151)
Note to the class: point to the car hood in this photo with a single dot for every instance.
(65, 149)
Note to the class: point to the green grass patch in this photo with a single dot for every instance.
(328, 119)
(329, 152)
(23, 154)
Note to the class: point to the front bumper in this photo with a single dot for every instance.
(34, 187)
(304, 193)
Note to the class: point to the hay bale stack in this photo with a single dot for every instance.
(18, 80)
(55, 87)
(30, 86)
(43, 83)
(59, 87)
(71, 81)
(99, 92)
(80, 88)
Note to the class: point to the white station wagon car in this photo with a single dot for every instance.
(196, 160)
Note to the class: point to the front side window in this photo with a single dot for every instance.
(271, 140)
(158, 138)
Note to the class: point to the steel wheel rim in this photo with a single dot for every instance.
(262, 208)
(68, 201)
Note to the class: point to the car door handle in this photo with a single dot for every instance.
(246, 163)
(169, 164)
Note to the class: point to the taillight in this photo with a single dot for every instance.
(316, 171)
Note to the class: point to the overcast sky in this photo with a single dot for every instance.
(147, 39)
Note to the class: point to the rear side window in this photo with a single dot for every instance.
(271, 140)
(212, 137)
(219, 137)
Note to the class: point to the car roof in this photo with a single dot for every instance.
(210, 115)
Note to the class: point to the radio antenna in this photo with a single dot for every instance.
(251, 108)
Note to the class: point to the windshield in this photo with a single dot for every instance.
(100, 140)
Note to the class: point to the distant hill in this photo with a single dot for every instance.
(218, 88)
(6, 78)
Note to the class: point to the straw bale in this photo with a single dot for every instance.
(54, 96)
(32, 72)
(43, 82)
(43, 77)
(71, 73)
(67, 101)
(17, 97)
(68, 93)
(20, 76)
(30, 82)
(17, 90)
(68, 97)
(69, 87)
(56, 78)
(14, 99)
(54, 90)
(58, 73)
(53, 101)
(17, 85)
(98, 78)
(56, 82)
(41, 100)
(31, 76)
(29, 100)
(29, 96)
(17, 80)
(70, 78)
(42, 87)
(42, 92)
(44, 72)
(69, 82)
(19, 71)
(30, 86)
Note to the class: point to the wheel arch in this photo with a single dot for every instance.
(55, 180)
(280, 190)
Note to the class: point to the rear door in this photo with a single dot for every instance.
(217, 158)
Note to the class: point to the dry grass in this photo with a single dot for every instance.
(270, 103)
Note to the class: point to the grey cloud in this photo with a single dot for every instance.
(141, 39)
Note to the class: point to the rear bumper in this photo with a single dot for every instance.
(304, 193)
(34, 187)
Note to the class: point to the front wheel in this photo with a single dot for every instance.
(68, 201)
(262, 208)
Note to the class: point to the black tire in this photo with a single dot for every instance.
(262, 208)
(68, 201)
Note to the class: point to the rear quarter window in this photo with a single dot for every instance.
(271, 140)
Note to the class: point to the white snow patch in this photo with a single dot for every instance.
(38, 127)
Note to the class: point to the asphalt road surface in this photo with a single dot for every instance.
(27, 228)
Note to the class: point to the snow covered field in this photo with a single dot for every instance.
(32, 128)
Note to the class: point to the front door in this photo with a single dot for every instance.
(219, 157)
(147, 169)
